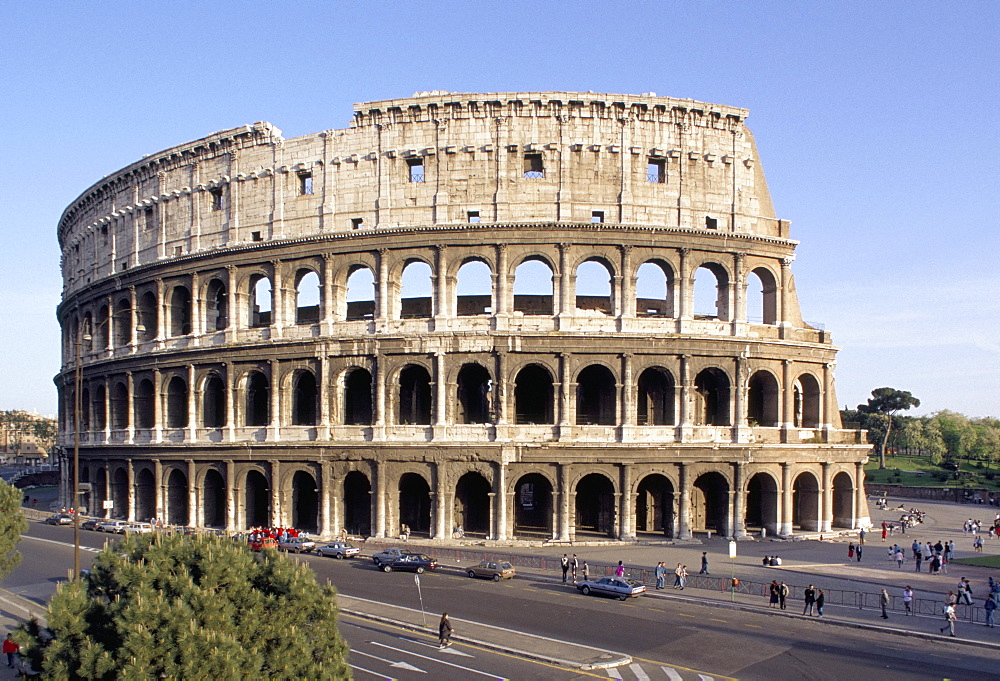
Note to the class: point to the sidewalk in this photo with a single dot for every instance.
(13, 610)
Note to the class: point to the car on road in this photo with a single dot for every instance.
(59, 519)
(492, 569)
(114, 526)
(137, 528)
(410, 562)
(618, 587)
(262, 543)
(387, 555)
(297, 545)
(338, 549)
(90, 524)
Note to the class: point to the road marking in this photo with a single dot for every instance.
(402, 665)
(61, 543)
(613, 673)
(450, 651)
(682, 614)
(671, 673)
(657, 610)
(753, 626)
(639, 672)
(450, 664)
(705, 677)
(715, 620)
(369, 671)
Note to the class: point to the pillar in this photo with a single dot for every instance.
(739, 501)
(826, 517)
(861, 517)
(684, 512)
(501, 288)
(158, 487)
(232, 496)
(130, 471)
(194, 512)
(626, 511)
(276, 515)
(380, 505)
(107, 491)
(500, 503)
(787, 393)
(325, 484)
(785, 521)
(564, 504)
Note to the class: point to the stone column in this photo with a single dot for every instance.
(278, 299)
(564, 504)
(274, 422)
(232, 496)
(130, 429)
(326, 390)
(684, 293)
(440, 397)
(827, 407)
(277, 519)
(785, 522)
(380, 505)
(501, 288)
(230, 383)
(440, 297)
(500, 390)
(378, 432)
(383, 306)
(626, 302)
(130, 472)
(685, 398)
(626, 511)
(826, 519)
(564, 393)
(325, 484)
(330, 299)
(739, 401)
(786, 297)
(107, 491)
(861, 517)
(740, 290)
(157, 408)
(739, 501)
(134, 331)
(567, 299)
(194, 512)
(192, 429)
(627, 415)
(684, 512)
(787, 403)
(158, 487)
(500, 503)
(197, 309)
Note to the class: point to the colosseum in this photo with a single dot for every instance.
(543, 316)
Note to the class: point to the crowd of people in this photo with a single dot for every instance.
(276, 533)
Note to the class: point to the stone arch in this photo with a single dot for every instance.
(656, 396)
(145, 495)
(415, 399)
(123, 323)
(100, 493)
(308, 296)
(762, 299)
(214, 504)
(474, 288)
(807, 401)
(710, 503)
(843, 500)
(474, 388)
(119, 406)
(179, 311)
(216, 306)
(654, 505)
(596, 396)
(256, 500)
(119, 492)
(213, 410)
(654, 289)
(305, 502)
(85, 409)
(260, 301)
(143, 404)
(711, 291)
(102, 331)
(472, 504)
(415, 503)
(147, 317)
(416, 291)
(534, 400)
(594, 290)
(357, 504)
(763, 396)
(305, 398)
(177, 403)
(762, 501)
(711, 398)
(177, 497)
(806, 502)
(595, 505)
(99, 408)
(533, 286)
(358, 397)
(258, 399)
(533, 506)
(360, 299)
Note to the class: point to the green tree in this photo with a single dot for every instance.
(159, 606)
(12, 526)
(887, 401)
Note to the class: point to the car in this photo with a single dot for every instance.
(59, 519)
(262, 543)
(137, 528)
(90, 524)
(387, 555)
(114, 526)
(297, 545)
(492, 569)
(411, 562)
(612, 586)
(338, 549)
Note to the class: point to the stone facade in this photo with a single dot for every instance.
(472, 310)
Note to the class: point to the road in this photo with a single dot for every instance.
(668, 637)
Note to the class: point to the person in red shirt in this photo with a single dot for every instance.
(11, 648)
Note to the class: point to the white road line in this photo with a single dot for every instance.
(369, 671)
(705, 677)
(401, 665)
(434, 646)
(60, 543)
(613, 673)
(671, 673)
(432, 659)
(639, 672)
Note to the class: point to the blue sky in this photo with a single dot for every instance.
(878, 125)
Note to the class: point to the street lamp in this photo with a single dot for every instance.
(77, 409)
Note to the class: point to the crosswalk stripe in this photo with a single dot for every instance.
(613, 673)
(705, 677)
(639, 672)
(671, 673)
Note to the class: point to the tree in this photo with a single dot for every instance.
(887, 401)
(159, 606)
(12, 526)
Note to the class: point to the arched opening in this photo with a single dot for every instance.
(145, 495)
(415, 291)
(595, 397)
(415, 504)
(711, 292)
(307, 297)
(710, 503)
(119, 493)
(100, 487)
(654, 505)
(123, 323)
(358, 398)
(711, 398)
(216, 306)
(102, 330)
(214, 402)
(180, 311)
(260, 301)
(656, 397)
(762, 504)
(414, 396)
(304, 399)
(474, 289)
(177, 403)
(533, 396)
(87, 339)
(595, 506)
(177, 498)
(360, 294)
(214, 500)
(258, 407)
(119, 406)
(305, 502)
(357, 504)
(148, 318)
(99, 408)
(85, 410)
(806, 502)
(593, 287)
(807, 402)
(472, 504)
(654, 290)
(762, 400)
(144, 415)
(533, 506)
(843, 500)
(474, 386)
(762, 297)
(256, 500)
(533, 287)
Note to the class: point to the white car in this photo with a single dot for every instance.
(115, 526)
(297, 545)
(338, 549)
(137, 528)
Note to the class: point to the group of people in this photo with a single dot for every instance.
(771, 561)
(680, 574)
(276, 533)
(571, 567)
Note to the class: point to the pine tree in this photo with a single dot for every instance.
(12, 525)
(192, 608)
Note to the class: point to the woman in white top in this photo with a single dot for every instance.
(907, 598)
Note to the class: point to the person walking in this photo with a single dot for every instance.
(990, 607)
(677, 576)
(586, 571)
(704, 563)
(810, 600)
(661, 575)
(820, 601)
(773, 591)
(574, 565)
(907, 599)
(857, 552)
(850, 551)
(782, 595)
(564, 563)
(10, 649)
(620, 570)
(883, 602)
(861, 536)
(445, 631)
(898, 557)
(949, 619)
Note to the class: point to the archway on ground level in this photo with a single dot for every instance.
(415, 504)
(256, 500)
(806, 502)
(710, 503)
(595, 506)
(145, 495)
(762, 504)
(177, 498)
(214, 500)
(119, 493)
(843, 500)
(533, 506)
(654, 505)
(305, 502)
(472, 504)
(357, 504)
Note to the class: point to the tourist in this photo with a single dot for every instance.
(820, 601)
(677, 576)
(899, 558)
(949, 619)
(661, 575)
(586, 571)
(907, 599)
(620, 570)
(574, 565)
(445, 631)
(782, 595)
(810, 600)
(11, 649)
(850, 551)
(704, 563)
(990, 606)
(774, 591)
(883, 601)
(564, 563)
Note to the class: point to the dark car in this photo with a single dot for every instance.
(59, 519)
(388, 555)
(612, 586)
(90, 524)
(412, 562)
(492, 569)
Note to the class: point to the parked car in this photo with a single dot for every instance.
(612, 586)
(411, 562)
(59, 519)
(262, 543)
(338, 549)
(388, 555)
(115, 526)
(492, 569)
(297, 545)
(137, 528)
(90, 524)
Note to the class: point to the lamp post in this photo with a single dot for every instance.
(77, 411)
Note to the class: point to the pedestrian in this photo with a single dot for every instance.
(899, 558)
(907, 599)
(850, 551)
(445, 631)
(704, 563)
(965, 591)
(857, 552)
(620, 570)
(574, 565)
(564, 562)
(917, 557)
(820, 601)
(661, 575)
(885, 530)
(949, 619)
(810, 600)
(990, 606)
(677, 576)
(782, 595)
(861, 536)
(586, 571)
(773, 590)
(883, 601)
(11, 648)
(684, 576)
